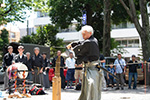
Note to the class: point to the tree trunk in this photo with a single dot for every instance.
(145, 33)
(106, 28)
(89, 14)
(144, 30)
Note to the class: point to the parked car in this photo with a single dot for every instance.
(109, 60)
(52, 74)
(140, 73)
(1, 74)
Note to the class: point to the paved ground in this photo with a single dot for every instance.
(111, 94)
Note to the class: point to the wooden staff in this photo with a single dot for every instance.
(57, 82)
(15, 77)
(145, 75)
(24, 84)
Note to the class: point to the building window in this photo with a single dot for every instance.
(12, 35)
(123, 25)
(41, 14)
(130, 43)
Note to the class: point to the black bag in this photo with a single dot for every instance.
(36, 91)
(78, 87)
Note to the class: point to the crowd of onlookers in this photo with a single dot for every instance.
(118, 68)
(39, 65)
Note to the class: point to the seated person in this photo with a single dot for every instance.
(109, 77)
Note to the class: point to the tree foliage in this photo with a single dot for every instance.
(45, 35)
(62, 12)
(3, 38)
(14, 10)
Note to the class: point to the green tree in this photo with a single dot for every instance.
(144, 29)
(14, 10)
(45, 35)
(62, 12)
(4, 38)
(26, 39)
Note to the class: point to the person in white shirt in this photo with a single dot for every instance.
(70, 65)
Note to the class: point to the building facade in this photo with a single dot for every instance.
(14, 32)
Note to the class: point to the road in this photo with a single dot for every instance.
(111, 94)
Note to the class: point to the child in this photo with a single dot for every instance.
(111, 78)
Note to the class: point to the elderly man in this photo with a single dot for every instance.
(7, 61)
(87, 52)
(37, 66)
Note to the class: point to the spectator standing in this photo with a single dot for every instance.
(62, 64)
(7, 61)
(119, 67)
(111, 78)
(133, 71)
(21, 57)
(37, 66)
(104, 77)
(29, 65)
(70, 64)
(46, 70)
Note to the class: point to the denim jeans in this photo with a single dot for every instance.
(134, 75)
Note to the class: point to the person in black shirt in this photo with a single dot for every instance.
(29, 65)
(133, 72)
(37, 66)
(7, 61)
(62, 64)
(46, 71)
(21, 57)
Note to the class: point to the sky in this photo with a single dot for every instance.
(31, 15)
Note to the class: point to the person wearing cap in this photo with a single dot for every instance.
(29, 65)
(20, 57)
(46, 71)
(119, 67)
(7, 61)
(133, 65)
(37, 66)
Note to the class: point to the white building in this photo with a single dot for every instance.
(129, 39)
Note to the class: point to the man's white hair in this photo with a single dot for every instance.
(28, 53)
(88, 28)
